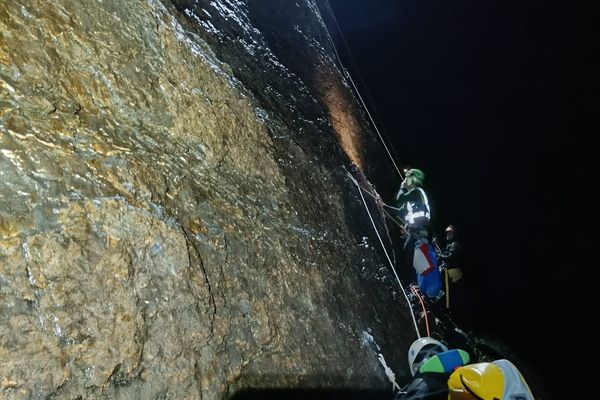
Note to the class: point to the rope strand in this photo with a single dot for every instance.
(416, 292)
(412, 314)
(347, 74)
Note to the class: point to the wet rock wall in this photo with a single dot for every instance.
(175, 215)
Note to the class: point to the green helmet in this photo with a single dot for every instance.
(416, 175)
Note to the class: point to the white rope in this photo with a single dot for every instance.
(373, 122)
(368, 338)
(377, 197)
(386, 254)
(345, 71)
(388, 372)
(367, 191)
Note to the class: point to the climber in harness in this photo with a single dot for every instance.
(450, 266)
(442, 374)
(412, 207)
(450, 256)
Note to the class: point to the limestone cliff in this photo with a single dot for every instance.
(175, 216)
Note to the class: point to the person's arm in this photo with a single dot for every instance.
(450, 254)
(443, 256)
(401, 191)
(453, 251)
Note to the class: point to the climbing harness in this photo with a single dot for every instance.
(386, 253)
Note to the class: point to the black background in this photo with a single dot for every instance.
(497, 101)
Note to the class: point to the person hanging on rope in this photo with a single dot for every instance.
(450, 256)
(412, 207)
(452, 268)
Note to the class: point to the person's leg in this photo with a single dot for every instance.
(407, 272)
(409, 249)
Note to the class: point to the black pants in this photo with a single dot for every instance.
(460, 306)
(409, 249)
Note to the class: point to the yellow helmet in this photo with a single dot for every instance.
(499, 380)
(476, 381)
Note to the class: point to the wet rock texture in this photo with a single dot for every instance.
(175, 216)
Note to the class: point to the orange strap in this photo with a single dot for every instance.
(415, 291)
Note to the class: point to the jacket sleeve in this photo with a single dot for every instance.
(416, 390)
(429, 386)
(399, 194)
(451, 253)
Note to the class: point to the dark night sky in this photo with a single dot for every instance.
(495, 102)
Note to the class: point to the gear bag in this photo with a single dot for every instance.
(424, 258)
(425, 264)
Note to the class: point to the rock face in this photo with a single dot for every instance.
(176, 219)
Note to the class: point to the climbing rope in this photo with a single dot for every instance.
(395, 221)
(416, 292)
(388, 372)
(387, 214)
(387, 233)
(347, 74)
(386, 254)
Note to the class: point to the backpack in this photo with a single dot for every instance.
(425, 264)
